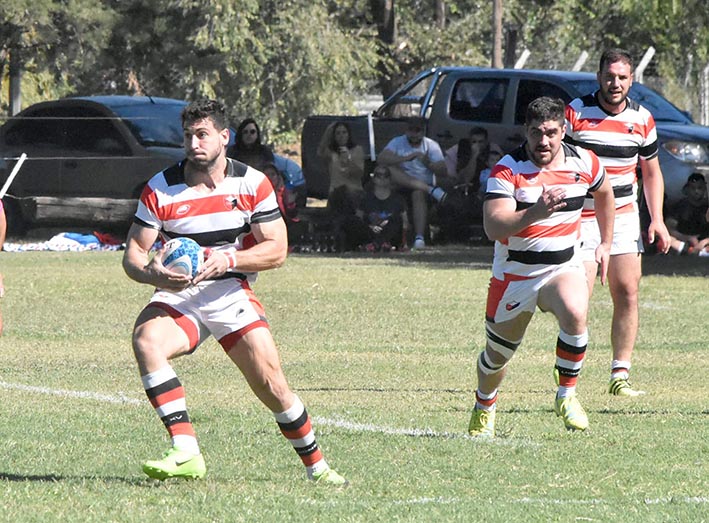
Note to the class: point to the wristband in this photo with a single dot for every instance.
(230, 257)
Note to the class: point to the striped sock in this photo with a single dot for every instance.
(570, 353)
(167, 396)
(485, 401)
(620, 369)
(296, 427)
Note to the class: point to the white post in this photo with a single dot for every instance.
(519, 64)
(640, 69)
(370, 128)
(580, 62)
(14, 172)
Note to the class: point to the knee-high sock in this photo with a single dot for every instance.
(296, 427)
(570, 353)
(167, 396)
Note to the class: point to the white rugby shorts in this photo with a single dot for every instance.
(227, 309)
(626, 236)
(507, 298)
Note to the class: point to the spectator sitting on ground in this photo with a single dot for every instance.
(248, 149)
(494, 155)
(466, 159)
(381, 221)
(415, 161)
(688, 220)
(466, 162)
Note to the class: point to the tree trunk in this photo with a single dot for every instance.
(15, 83)
(440, 14)
(385, 16)
(497, 34)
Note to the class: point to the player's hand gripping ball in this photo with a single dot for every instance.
(183, 255)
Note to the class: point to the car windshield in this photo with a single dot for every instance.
(661, 109)
(157, 124)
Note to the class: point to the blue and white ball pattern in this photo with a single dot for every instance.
(183, 255)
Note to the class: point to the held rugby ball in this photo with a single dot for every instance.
(183, 255)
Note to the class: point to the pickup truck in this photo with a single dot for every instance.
(453, 99)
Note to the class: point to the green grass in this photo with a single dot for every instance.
(382, 352)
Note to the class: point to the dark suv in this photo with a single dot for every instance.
(88, 158)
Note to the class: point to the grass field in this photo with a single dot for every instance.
(382, 352)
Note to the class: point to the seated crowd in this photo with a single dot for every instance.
(391, 204)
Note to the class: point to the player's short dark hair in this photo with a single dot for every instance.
(201, 109)
(544, 109)
(611, 56)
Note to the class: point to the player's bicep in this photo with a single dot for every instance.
(271, 230)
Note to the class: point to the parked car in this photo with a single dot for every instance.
(453, 99)
(88, 158)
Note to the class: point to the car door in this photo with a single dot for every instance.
(39, 134)
(97, 155)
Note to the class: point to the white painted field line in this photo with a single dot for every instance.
(417, 433)
(71, 393)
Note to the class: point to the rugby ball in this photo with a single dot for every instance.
(183, 255)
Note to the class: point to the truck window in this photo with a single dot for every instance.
(529, 90)
(408, 103)
(478, 100)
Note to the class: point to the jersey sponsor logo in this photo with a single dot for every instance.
(183, 209)
(230, 202)
(511, 306)
(630, 127)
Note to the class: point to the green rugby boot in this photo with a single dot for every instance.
(571, 411)
(330, 477)
(482, 423)
(622, 387)
(176, 463)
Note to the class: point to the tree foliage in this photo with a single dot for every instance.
(280, 61)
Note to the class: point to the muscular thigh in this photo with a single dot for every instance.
(566, 297)
(156, 332)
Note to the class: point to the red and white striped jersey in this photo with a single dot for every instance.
(551, 241)
(618, 140)
(221, 218)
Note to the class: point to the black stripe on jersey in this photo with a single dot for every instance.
(140, 222)
(213, 238)
(605, 150)
(541, 258)
(572, 204)
(294, 425)
(266, 216)
(495, 196)
(622, 190)
(167, 386)
(175, 174)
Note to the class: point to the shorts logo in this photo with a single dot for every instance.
(183, 209)
(512, 306)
